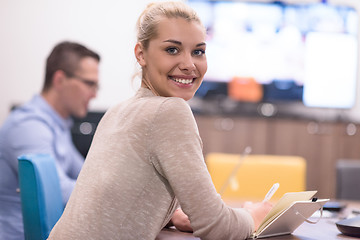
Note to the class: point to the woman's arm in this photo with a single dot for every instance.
(178, 157)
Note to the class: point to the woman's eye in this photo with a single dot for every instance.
(172, 50)
(199, 52)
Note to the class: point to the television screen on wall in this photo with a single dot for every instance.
(296, 51)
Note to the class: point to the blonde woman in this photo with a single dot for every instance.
(146, 156)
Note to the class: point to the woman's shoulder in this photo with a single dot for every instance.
(159, 103)
(147, 106)
(174, 105)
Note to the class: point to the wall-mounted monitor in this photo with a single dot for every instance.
(304, 51)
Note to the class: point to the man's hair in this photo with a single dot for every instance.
(66, 57)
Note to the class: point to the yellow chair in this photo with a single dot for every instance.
(254, 175)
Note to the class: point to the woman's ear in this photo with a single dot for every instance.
(139, 54)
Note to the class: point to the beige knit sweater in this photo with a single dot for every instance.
(147, 153)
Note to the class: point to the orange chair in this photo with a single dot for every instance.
(255, 174)
(245, 89)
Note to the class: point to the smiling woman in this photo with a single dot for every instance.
(146, 156)
(173, 63)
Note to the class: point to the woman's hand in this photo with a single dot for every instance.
(181, 221)
(258, 211)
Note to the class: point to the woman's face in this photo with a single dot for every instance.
(175, 62)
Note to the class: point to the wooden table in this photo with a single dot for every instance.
(325, 229)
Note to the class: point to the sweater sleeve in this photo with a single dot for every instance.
(177, 151)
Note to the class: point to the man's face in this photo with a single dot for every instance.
(80, 88)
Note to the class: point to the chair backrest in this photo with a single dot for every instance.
(348, 179)
(40, 192)
(255, 174)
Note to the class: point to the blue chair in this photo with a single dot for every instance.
(40, 194)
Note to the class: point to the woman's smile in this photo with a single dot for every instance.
(183, 81)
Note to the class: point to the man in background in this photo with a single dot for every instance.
(43, 126)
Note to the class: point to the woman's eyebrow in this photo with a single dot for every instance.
(180, 43)
(173, 41)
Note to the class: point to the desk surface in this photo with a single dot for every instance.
(324, 229)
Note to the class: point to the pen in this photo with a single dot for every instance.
(271, 192)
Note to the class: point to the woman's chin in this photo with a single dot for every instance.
(186, 96)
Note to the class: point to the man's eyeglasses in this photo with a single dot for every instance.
(91, 84)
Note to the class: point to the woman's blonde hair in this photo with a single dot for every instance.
(152, 15)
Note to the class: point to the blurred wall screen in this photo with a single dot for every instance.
(313, 46)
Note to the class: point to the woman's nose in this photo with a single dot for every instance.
(187, 63)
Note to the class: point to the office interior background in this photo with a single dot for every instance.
(29, 30)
